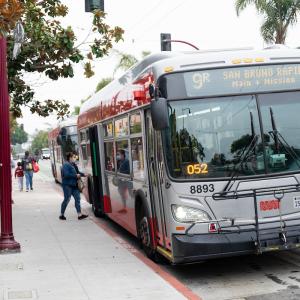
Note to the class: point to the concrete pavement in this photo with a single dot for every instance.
(70, 260)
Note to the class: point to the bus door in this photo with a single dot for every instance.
(96, 188)
(155, 176)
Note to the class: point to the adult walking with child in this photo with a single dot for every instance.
(27, 165)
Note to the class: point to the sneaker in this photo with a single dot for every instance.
(82, 217)
(62, 217)
(32, 189)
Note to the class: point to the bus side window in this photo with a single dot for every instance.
(137, 157)
(108, 129)
(58, 156)
(84, 152)
(135, 123)
(123, 165)
(83, 147)
(121, 127)
(88, 146)
(109, 156)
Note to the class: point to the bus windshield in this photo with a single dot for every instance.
(212, 138)
(70, 142)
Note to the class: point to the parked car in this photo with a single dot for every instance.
(45, 153)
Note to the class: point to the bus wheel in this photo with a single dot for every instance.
(144, 233)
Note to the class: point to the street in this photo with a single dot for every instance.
(269, 276)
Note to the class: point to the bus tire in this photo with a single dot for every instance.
(97, 212)
(145, 232)
(53, 173)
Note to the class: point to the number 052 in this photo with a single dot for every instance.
(197, 169)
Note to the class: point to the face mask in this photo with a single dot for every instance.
(118, 157)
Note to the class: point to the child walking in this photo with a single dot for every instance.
(19, 173)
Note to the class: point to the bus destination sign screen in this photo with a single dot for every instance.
(248, 79)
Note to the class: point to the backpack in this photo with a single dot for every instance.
(27, 163)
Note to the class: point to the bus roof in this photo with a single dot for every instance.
(72, 121)
(123, 94)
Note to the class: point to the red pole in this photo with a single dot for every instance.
(7, 241)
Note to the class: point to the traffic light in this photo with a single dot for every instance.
(165, 41)
(91, 5)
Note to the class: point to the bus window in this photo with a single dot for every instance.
(84, 152)
(123, 165)
(82, 135)
(121, 127)
(109, 156)
(135, 123)
(108, 129)
(58, 154)
(137, 157)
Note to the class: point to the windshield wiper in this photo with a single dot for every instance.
(247, 150)
(244, 156)
(279, 139)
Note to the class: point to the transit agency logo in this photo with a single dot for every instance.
(199, 79)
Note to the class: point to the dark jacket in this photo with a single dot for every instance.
(77, 170)
(69, 174)
(27, 162)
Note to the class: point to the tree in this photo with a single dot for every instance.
(103, 83)
(51, 50)
(127, 60)
(19, 135)
(10, 12)
(40, 141)
(278, 16)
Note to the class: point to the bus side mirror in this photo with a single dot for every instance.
(159, 113)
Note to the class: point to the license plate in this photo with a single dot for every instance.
(296, 202)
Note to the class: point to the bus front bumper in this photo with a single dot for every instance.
(199, 247)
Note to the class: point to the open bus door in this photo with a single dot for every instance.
(155, 181)
(95, 183)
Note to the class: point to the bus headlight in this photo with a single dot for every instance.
(186, 214)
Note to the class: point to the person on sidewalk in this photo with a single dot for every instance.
(27, 164)
(70, 175)
(19, 173)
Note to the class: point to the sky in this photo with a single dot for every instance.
(208, 24)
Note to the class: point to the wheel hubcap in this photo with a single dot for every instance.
(144, 232)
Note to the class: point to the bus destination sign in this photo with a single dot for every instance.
(248, 79)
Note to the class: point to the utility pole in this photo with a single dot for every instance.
(10, 14)
(7, 241)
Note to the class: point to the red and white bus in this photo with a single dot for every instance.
(194, 154)
(62, 139)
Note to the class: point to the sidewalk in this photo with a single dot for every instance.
(71, 260)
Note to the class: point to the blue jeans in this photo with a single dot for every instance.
(28, 177)
(68, 192)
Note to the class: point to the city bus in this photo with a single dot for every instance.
(62, 139)
(198, 154)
